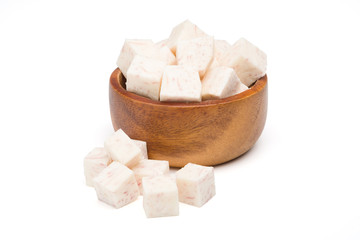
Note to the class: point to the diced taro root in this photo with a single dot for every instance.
(165, 53)
(148, 168)
(248, 61)
(160, 197)
(131, 48)
(220, 82)
(184, 31)
(94, 162)
(116, 185)
(196, 184)
(143, 148)
(220, 47)
(167, 56)
(122, 149)
(180, 84)
(197, 53)
(214, 64)
(144, 77)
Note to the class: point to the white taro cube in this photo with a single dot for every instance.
(184, 31)
(116, 185)
(122, 149)
(160, 196)
(197, 53)
(220, 47)
(144, 77)
(165, 53)
(214, 64)
(248, 61)
(143, 148)
(196, 184)
(220, 82)
(180, 84)
(148, 168)
(94, 162)
(130, 49)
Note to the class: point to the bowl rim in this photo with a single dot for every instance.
(117, 76)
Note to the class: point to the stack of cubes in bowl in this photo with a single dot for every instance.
(190, 66)
(121, 171)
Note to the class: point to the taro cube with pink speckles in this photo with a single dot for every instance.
(221, 82)
(248, 61)
(197, 53)
(180, 84)
(148, 168)
(96, 161)
(144, 77)
(143, 147)
(116, 185)
(196, 184)
(160, 196)
(131, 48)
(184, 31)
(122, 149)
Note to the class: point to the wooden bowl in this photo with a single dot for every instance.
(207, 133)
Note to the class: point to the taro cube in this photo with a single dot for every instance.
(144, 77)
(131, 48)
(220, 47)
(214, 64)
(165, 53)
(180, 84)
(143, 148)
(116, 185)
(220, 82)
(184, 31)
(148, 168)
(94, 162)
(196, 184)
(248, 61)
(122, 149)
(197, 53)
(160, 196)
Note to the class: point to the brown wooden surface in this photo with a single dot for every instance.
(207, 133)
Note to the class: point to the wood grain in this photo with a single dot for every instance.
(207, 133)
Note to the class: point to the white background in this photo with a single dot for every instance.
(300, 181)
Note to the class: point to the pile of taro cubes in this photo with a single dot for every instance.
(190, 66)
(121, 171)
